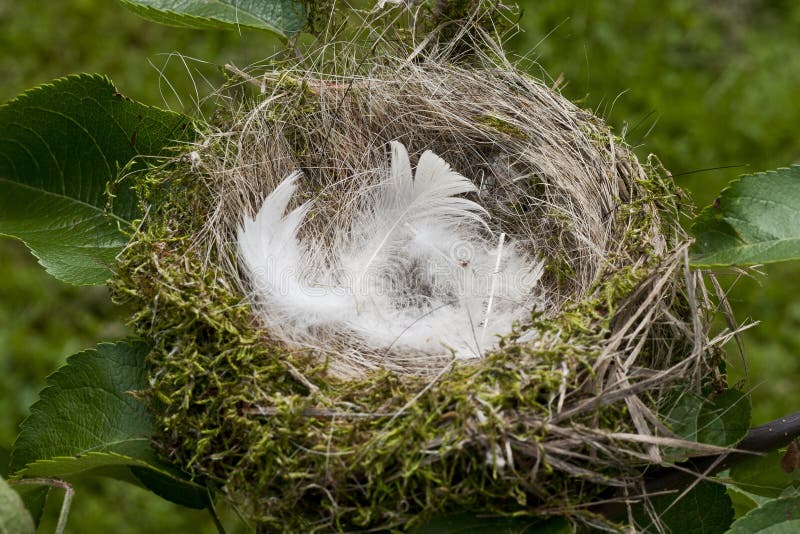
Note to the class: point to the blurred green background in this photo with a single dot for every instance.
(702, 84)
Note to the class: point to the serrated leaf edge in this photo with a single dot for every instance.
(50, 385)
(200, 22)
(696, 260)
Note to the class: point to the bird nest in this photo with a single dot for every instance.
(314, 426)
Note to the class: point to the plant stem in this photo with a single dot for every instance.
(66, 504)
(214, 517)
(762, 439)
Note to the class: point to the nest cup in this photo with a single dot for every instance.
(314, 438)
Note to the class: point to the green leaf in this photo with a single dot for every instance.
(762, 475)
(61, 147)
(723, 420)
(162, 480)
(682, 417)
(778, 516)
(88, 407)
(742, 501)
(282, 17)
(14, 518)
(470, 523)
(5, 459)
(34, 497)
(791, 491)
(754, 220)
(174, 489)
(706, 509)
(88, 421)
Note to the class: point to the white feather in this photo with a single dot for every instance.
(279, 265)
(414, 271)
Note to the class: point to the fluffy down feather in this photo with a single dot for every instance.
(416, 270)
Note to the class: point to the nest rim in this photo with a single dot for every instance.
(474, 417)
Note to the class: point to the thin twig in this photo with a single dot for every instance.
(762, 439)
(297, 375)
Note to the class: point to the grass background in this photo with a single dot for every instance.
(702, 84)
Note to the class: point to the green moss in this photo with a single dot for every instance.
(210, 368)
(501, 126)
(316, 453)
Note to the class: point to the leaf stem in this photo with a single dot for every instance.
(66, 503)
(214, 517)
